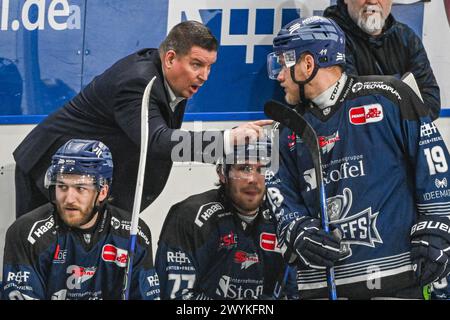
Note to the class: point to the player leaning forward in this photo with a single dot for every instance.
(75, 246)
(385, 173)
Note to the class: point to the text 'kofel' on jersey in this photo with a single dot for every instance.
(384, 165)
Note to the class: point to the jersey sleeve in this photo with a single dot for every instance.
(176, 262)
(429, 160)
(284, 190)
(23, 278)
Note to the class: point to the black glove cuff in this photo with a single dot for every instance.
(431, 225)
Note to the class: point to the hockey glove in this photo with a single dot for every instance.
(430, 252)
(315, 248)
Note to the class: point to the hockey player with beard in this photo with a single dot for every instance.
(385, 174)
(75, 247)
(221, 244)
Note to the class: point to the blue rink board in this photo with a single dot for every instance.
(47, 57)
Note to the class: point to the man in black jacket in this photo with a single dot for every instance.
(109, 109)
(377, 44)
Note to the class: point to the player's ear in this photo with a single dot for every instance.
(309, 63)
(220, 172)
(103, 193)
(169, 57)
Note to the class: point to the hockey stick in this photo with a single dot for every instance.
(279, 286)
(294, 121)
(138, 192)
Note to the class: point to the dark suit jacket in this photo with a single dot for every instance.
(109, 110)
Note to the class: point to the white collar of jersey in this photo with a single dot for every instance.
(248, 219)
(330, 96)
(173, 99)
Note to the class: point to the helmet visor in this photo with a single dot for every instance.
(84, 182)
(276, 61)
(247, 170)
(57, 173)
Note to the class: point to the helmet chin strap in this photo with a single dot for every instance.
(301, 84)
(98, 208)
(95, 207)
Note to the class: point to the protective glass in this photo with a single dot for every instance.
(276, 61)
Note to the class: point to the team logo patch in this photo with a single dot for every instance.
(268, 242)
(356, 228)
(111, 253)
(366, 114)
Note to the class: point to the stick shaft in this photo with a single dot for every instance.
(138, 191)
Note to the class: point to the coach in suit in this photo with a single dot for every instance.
(109, 108)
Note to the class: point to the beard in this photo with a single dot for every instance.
(372, 24)
(76, 219)
(241, 201)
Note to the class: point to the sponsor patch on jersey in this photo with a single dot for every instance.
(369, 113)
(239, 289)
(327, 143)
(111, 253)
(228, 241)
(428, 130)
(60, 255)
(18, 277)
(245, 259)
(39, 228)
(115, 223)
(291, 141)
(78, 275)
(440, 183)
(177, 257)
(206, 211)
(376, 85)
(268, 242)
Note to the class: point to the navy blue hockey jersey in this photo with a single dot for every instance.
(44, 259)
(384, 163)
(206, 251)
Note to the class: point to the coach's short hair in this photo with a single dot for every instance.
(187, 34)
